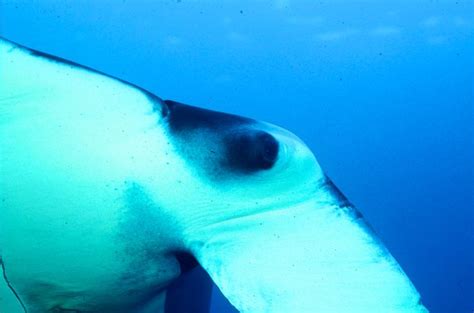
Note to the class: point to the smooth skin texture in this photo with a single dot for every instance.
(103, 185)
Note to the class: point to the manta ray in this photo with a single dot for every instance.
(105, 188)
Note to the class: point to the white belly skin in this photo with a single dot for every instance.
(81, 244)
(77, 229)
(68, 227)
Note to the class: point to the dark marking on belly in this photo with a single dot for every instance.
(146, 240)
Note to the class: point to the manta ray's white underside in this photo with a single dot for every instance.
(98, 192)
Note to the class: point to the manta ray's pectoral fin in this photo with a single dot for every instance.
(9, 299)
(305, 258)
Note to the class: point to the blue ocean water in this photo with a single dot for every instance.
(382, 92)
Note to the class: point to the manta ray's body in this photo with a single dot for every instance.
(103, 186)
